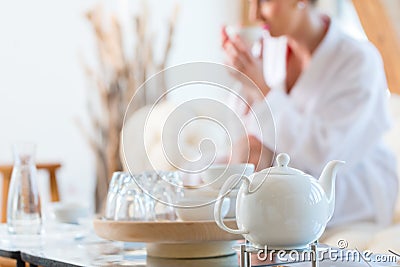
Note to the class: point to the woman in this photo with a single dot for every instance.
(327, 94)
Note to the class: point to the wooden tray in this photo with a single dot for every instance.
(164, 232)
(177, 239)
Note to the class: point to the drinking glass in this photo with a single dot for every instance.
(113, 190)
(145, 182)
(24, 214)
(130, 202)
(163, 187)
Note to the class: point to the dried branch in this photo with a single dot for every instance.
(117, 79)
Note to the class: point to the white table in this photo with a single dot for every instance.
(74, 245)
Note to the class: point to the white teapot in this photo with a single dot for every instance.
(281, 207)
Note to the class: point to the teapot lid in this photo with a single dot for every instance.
(282, 168)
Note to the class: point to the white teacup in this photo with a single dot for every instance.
(70, 212)
(211, 193)
(197, 209)
(217, 174)
(250, 34)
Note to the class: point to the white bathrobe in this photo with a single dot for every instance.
(336, 110)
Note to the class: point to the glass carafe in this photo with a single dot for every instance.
(23, 206)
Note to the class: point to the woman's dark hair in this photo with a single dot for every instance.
(314, 1)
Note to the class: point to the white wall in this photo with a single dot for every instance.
(42, 85)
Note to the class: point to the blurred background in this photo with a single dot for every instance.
(44, 88)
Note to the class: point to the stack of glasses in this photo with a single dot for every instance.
(148, 196)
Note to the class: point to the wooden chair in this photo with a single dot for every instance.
(6, 171)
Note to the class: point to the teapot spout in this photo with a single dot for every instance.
(327, 182)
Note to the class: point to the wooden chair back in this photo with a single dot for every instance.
(6, 171)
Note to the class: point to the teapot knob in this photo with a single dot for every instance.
(283, 160)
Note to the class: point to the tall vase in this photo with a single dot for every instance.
(23, 207)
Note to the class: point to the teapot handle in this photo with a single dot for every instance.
(218, 204)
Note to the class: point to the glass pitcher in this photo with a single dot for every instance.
(23, 206)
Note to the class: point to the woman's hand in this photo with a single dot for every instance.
(240, 58)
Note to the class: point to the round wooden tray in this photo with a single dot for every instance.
(163, 232)
(172, 239)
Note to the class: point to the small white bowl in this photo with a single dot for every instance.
(70, 212)
(199, 210)
(216, 175)
(203, 192)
